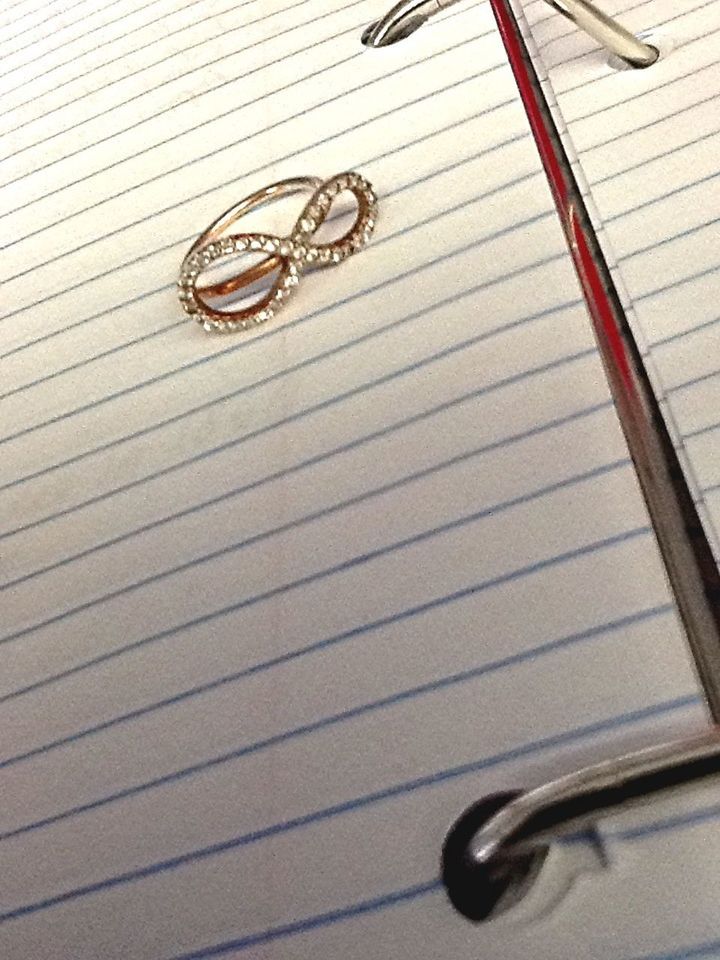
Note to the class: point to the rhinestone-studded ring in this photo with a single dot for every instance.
(289, 256)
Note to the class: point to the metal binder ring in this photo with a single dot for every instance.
(406, 16)
(288, 255)
(495, 850)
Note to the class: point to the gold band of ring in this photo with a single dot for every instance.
(288, 255)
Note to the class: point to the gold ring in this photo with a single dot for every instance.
(288, 255)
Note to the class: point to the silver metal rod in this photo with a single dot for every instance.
(608, 32)
(495, 851)
(407, 15)
(403, 19)
(562, 804)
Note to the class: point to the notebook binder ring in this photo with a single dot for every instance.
(406, 16)
(495, 850)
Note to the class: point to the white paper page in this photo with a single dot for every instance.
(277, 608)
(647, 143)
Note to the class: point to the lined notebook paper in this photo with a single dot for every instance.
(647, 143)
(276, 609)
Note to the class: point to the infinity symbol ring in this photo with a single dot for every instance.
(289, 256)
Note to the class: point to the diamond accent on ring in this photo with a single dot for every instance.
(289, 255)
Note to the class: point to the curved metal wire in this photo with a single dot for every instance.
(407, 15)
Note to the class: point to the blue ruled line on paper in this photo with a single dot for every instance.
(699, 431)
(637, 127)
(592, 51)
(328, 918)
(26, 13)
(494, 582)
(676, 191)
(280, 331)
(690, 818)
(551, 742)
(137, 123)
(710, 948)
(185, 200)
(593, 79)
(172, 467)
(167, 287)
(217, 186)
(158, 332)
(687, 332)
(226, 146)
(456, 297)
(663, 154)
(330, 509)
(351, 563)
(671, 237)
(323, 457)
(565, 30)
(110, 60)
(377, 902)
(163, 83)
(675, 284)
(692, 382)
(65, 26)
(175, 324)
(106, 62)
(389, 193)
(494, 666)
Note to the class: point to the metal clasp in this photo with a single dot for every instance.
(406, 16)
(494, 852)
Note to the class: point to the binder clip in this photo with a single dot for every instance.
(496, 849)
(408, 15)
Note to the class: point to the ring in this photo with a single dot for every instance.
(288, 255)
